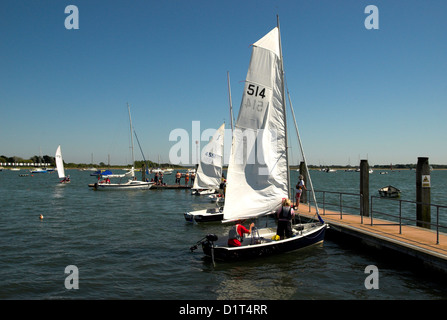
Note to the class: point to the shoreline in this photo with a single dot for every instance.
(294, 167)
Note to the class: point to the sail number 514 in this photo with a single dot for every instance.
(256, 91)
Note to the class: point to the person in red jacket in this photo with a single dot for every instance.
(236, 234)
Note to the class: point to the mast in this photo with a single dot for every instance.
(131, 138)
(284, 108)
(229, 98)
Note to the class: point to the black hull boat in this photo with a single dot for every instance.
(206, 215)
(261, 244)
(389, 192)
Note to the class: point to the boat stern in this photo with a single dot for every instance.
(189, 217)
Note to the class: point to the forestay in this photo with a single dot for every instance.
(209, 172)
(257, 172)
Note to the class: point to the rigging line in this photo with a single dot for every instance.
(147, 167)
(230, 102)
(131, 136)
(302, 151)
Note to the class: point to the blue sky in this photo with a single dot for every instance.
(358, 94)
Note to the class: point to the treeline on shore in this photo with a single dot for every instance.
(13, 161)
(138, 164)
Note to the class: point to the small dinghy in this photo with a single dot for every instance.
(60, 166)
(389, 192)
(258, 188)
(205, 215)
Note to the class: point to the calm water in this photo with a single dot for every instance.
(135, 245)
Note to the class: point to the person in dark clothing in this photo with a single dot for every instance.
(285, 215)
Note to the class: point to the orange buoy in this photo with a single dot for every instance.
(41, 217)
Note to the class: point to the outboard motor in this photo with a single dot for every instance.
(209, 239)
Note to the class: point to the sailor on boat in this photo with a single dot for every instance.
(236, 234)
(65, 180)
(285, 215)
(106, 180)
(222, 186)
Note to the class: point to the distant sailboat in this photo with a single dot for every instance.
(38, 169)
(132, 183)
(165, 171)
(60, 166)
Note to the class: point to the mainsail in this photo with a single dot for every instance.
(209, 171)
(59, 163)
(257, 172)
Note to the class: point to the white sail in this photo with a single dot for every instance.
(59, 163)
(209, 172)
(257, 178)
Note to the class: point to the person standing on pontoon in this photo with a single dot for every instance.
(299, 190)
(178, 176)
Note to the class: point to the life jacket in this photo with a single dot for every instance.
(233, 234)
(285, 213)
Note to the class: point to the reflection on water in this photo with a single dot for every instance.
(281, 277)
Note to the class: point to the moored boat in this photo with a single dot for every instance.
(208, 176)
(205, 215)
(389, 192)
(131, 184)
(258, 171)
(262, 243)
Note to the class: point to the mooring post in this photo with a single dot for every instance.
(304, 173)
(364, 188)
(423, 193)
